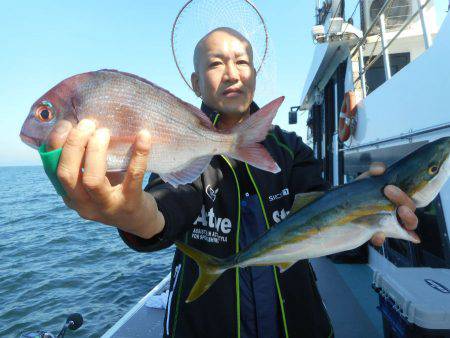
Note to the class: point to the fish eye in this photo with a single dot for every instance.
(432, 170)
(44, 113)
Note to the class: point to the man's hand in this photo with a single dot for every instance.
(116, 200)
(405, 206)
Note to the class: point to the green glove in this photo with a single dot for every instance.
(50, 160)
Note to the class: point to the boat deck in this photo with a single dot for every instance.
(146, 322)
(349, 298)
(345, 288)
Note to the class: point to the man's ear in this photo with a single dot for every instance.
(195, 84)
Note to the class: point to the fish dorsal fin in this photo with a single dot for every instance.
(284, 266)
(188, 174)
(303, 199)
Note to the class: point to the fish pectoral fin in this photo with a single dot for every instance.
(188, 174)
(284, 266)
(303, 199)
(388, 224)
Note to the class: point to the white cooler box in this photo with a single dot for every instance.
(414, 302)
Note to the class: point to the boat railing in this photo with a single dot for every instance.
(378, 27)
(381, 19)
(162, 285)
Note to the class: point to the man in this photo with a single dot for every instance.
(230, 205)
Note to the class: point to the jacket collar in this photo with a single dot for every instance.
(214, 115)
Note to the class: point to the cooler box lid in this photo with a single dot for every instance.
(421, 294)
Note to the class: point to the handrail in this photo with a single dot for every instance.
(407, 22)
(158, 288)
(366, 34)
(380, 19)
(407, 135)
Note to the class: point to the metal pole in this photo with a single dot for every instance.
(323, 130)
(335, 137)
(362, 74)
(426, 36)
(366, 34)
(324, 145)
(317, 12)
(405, 24)
(387, 64)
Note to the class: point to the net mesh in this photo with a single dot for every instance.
(199, 17)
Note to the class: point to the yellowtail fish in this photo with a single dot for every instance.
(341, 219)
(183, 138)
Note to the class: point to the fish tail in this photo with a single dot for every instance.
(210, 269)
(252, 131)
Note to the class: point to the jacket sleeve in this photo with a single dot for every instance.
(179, 206)
(306, 172)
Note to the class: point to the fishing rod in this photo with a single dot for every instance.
(73, 322)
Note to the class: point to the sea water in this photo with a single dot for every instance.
(53, 262)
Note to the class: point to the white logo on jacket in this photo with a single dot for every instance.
(212, 194)
(214, 229)
(281, 194)
(278, 216)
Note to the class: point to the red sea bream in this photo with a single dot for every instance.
(183, 138)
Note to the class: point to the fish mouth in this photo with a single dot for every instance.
(428, 192)
(30, 141)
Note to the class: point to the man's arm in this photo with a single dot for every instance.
(179, 207)
(97, 196)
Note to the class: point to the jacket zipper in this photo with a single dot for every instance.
(280, 298)
(180, 288)
(238, 292)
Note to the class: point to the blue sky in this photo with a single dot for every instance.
(44, 42)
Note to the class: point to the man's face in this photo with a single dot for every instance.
(225, 77)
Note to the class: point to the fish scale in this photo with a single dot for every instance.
(178, 131)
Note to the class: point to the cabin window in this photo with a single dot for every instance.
(395, 15)
(375, 76)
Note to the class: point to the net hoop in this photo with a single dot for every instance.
(172, 39)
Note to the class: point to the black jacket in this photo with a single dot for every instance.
(205, 214)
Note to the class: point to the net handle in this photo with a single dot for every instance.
(172, 37)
